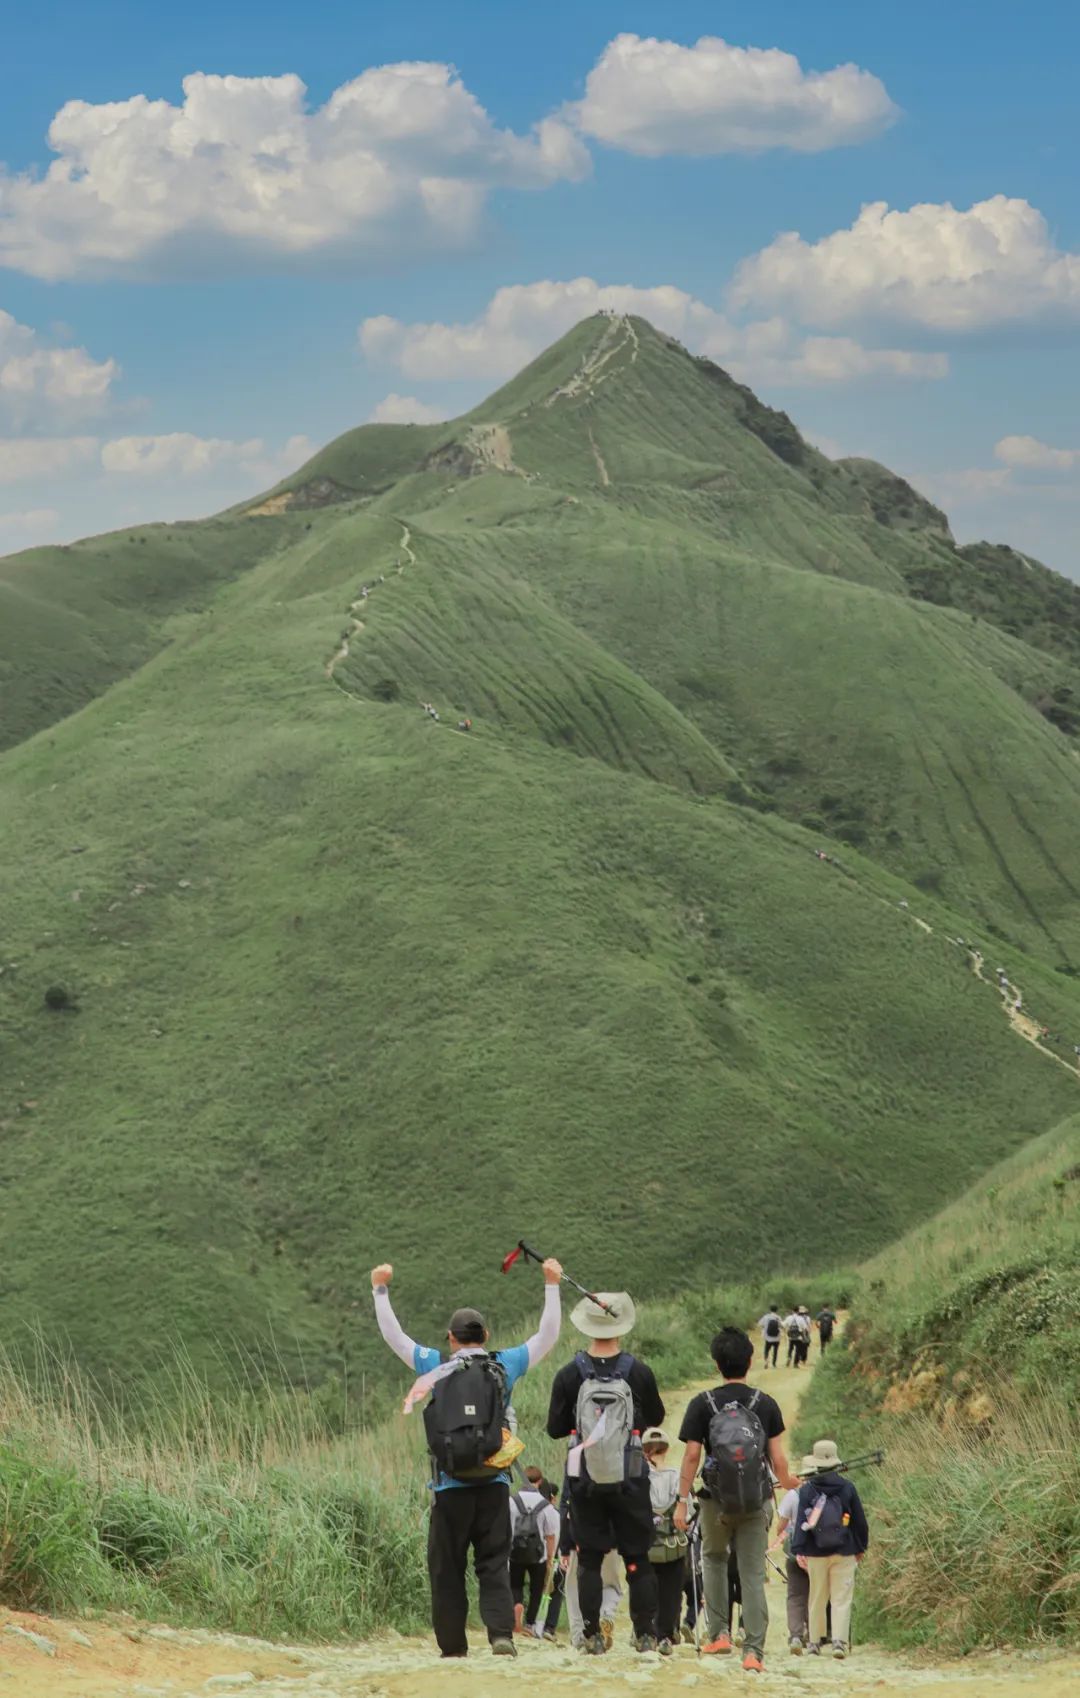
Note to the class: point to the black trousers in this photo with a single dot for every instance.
(824, 1338)
(669, 1588)
(555, 1603)
(615, 1519)
(535, 1573)
(793, 1350)
(772, 1348)
(464, 1517)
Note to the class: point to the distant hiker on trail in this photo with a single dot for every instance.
(534, 1538)
(828, 1538)
(806, 1325)
(464, 724)
(471, 1448)
(739, 1431)
(668, 1550)
(606, 1398)
(793, 1332)
(770, 1326)
(825, 1321)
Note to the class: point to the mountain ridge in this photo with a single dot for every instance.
(338, 965)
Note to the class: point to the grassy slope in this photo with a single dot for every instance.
(320, 942)
(963, 1357)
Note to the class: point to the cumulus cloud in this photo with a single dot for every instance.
(23, 458)
(934, 265)
(399, 159)
(32, 521)
(657, 97)
(1027, 453)
(521, 320)
(39, 383)
(405, 409)
(182, 454)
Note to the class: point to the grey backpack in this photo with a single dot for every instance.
(608, 1396)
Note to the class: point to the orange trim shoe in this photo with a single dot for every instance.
(752, 1663)
(718, 1647)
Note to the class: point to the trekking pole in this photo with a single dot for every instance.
(872, 1459)
(695, 1538)
(532, 1255)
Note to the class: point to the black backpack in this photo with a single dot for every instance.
(465, 1418)
(527, 1545)
(736, 1468)
(829, 1530)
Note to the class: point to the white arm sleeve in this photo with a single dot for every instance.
(546, 1336)
(399, 1341)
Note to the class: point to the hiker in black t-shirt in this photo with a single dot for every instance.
(725, 1523)
(608, 1512)
(826, 1321)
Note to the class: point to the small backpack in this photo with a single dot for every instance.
(668, 1545)
(527, 1545)
(465, 1418)
(609, 1396)
(827, 1523)
(794, 1329)
(736, 1469)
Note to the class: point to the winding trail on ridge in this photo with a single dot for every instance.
(356, 624)
(130, 1660)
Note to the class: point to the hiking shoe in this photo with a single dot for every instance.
(592, 1645)
(813, 1650)
(607, 1631)
(752, 1663)
(665, 1648)
(550, 1635)
(687, 1633)
(796, 1646)
(645, 1643)
(839, 1649)
(503, 1648)
(718, 1647)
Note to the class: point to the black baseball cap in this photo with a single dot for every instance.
(468, 1325)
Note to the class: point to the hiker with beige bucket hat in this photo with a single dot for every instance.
(828, 1539)
(602, 1401)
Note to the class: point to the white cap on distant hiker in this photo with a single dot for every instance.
(589, 1318)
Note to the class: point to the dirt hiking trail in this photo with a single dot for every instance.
(122, 1659)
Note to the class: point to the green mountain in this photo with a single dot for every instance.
(352, 984)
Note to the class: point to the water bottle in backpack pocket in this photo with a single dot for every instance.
(466, 1418)
(736, 1471)
(605, 1421)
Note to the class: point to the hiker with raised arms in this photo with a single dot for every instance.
(471, 1448)
(738, 1431)
(605, 1399)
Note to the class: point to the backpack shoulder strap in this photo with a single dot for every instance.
(623, 1364)
(516, 1501)
(583, 1365)
(709, 1399)
(754, 1401)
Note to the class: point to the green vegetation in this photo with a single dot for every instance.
(963, 1357)
(335, 970)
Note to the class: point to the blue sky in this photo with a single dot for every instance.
(204, 289)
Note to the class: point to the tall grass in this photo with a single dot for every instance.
(976, 1534)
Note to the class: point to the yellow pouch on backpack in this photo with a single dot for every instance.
(508, 1452)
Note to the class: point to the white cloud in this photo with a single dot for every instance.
(933, 265)
(405, 409)
(1027, 453)
(521, 320)
(400, 159)
(39, 384)
(23, 458)
(657, 97)
(32, 520)
(182, 454)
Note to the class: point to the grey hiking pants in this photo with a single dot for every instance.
(749, 1535)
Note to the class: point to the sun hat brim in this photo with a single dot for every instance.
(588, 1318)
